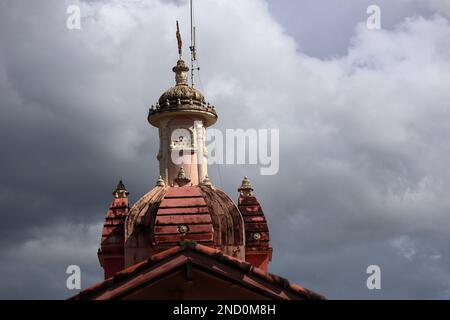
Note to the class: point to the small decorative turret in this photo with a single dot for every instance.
(160, 182)
(181, 179)
(207, 182)
(257, 239)
(111, 251)
(246, 188)
(121, 191)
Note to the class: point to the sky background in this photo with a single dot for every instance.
(363, 117)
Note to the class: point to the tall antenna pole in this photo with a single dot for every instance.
(192, 47)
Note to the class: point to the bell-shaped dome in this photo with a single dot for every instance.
(182, 99)
(168, 215)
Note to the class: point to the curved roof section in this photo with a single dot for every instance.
(182, 99)
(168, 215)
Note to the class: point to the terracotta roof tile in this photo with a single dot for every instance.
(246, 267)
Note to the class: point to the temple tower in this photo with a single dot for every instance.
(184, 205)
(182, 115)
(185, 238)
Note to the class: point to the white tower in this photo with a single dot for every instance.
(182, 116)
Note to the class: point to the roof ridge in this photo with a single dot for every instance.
(190, 245)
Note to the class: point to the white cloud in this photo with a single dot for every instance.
(442, 6)
(405, 247)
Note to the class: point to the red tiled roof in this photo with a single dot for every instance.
(255, 276)
(206, 214)
(254, 223)
(183, 206)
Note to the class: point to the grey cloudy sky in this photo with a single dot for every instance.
(363, 118)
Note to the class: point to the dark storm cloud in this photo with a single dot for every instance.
(64, 129)
(63, 114)
(364, 144)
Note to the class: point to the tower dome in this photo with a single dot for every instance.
(166, 216)
(182, 99)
